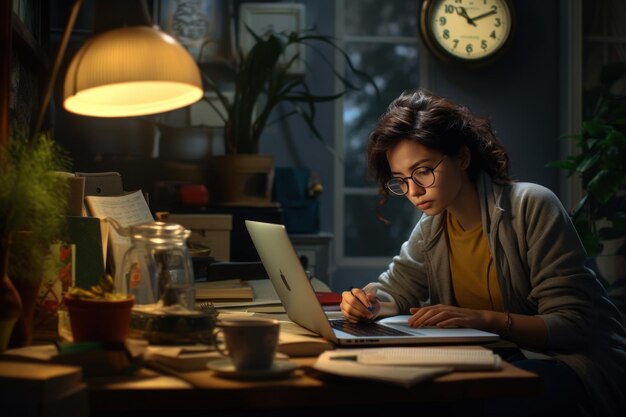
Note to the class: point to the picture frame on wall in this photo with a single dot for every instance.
(202, 26)
(278, 17)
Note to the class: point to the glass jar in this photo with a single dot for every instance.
(157, 268)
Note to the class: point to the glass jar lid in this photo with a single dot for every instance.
(159, 233)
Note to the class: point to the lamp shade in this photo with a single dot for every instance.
(131, 71)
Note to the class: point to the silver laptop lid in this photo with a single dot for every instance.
(289, 278)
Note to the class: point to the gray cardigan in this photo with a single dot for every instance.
(541, 271)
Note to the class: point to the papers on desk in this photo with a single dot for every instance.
(342, 362)
(406, 365)
(127, 210)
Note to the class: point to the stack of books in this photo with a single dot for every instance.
(225, 290)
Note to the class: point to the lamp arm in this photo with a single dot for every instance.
(146, 13)
(55, 69)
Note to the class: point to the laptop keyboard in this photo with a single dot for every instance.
(366, 329)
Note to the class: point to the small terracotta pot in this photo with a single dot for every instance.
(99, 320)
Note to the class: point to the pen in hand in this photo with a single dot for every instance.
(368, 305)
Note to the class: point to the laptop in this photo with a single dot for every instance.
(302, 306)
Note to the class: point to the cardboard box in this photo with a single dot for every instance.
(211, 230)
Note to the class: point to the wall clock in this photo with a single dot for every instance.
(470, 32)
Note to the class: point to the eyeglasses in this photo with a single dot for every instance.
(421, 176)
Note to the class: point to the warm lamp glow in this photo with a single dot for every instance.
(131, 71)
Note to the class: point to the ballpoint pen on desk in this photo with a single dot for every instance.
(369, 307)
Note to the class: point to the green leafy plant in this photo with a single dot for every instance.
(33, 201)
(102, 290)
(261, 82)
(601, 164)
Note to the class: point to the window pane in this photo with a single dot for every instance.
(361, 221)
(394, 68)
(381, 18)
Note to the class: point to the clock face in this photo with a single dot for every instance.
(467, 30)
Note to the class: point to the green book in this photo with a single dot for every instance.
(89, 234)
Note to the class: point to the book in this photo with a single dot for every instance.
(343, 362)
(93, 359)
(38, 389)
(224, 290)
(126, 210)
(474, 358)
(42, 381)
(90, 235)
(58, 277)
(328, 298)
(295, 345)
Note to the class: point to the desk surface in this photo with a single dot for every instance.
(304, 388)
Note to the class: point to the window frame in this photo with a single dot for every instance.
(341, 190)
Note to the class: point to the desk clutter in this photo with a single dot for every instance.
(196, 318)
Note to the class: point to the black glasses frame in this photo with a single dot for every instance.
(404, 184)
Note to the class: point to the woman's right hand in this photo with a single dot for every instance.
(358, 305)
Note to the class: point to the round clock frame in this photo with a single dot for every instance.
(452, 35)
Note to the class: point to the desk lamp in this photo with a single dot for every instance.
(126, 71)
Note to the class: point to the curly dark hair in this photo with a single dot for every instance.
(438, 124)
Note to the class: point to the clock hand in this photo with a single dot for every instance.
(480, 16)
(463, 13)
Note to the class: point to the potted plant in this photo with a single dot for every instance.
(261, 82)
(600, 216)
(601, 143)
(32, 216)
(100, 313)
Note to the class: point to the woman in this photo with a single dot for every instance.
(492, 254)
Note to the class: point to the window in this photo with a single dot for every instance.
(381, 39)
(604, 43)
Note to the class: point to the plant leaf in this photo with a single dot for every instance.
(587, 163)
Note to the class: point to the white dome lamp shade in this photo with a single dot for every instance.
(131, 71)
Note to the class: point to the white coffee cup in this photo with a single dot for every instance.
(250, 342)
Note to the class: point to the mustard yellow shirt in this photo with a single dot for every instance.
(474, 280)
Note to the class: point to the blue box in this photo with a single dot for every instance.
(301, 212)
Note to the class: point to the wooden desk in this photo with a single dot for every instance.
(305, 393)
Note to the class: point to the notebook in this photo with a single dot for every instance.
(302, 306)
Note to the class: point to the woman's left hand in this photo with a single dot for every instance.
(442, 315)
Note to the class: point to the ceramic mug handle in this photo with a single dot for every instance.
(220, 347)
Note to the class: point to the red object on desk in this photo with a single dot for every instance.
(327, 298)
(194, 195)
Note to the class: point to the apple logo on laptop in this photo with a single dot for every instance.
(282, 276)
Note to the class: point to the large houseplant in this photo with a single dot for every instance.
(32, 214)
(600, 216)
(600, 213)
(261, 81)
(599, 161)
